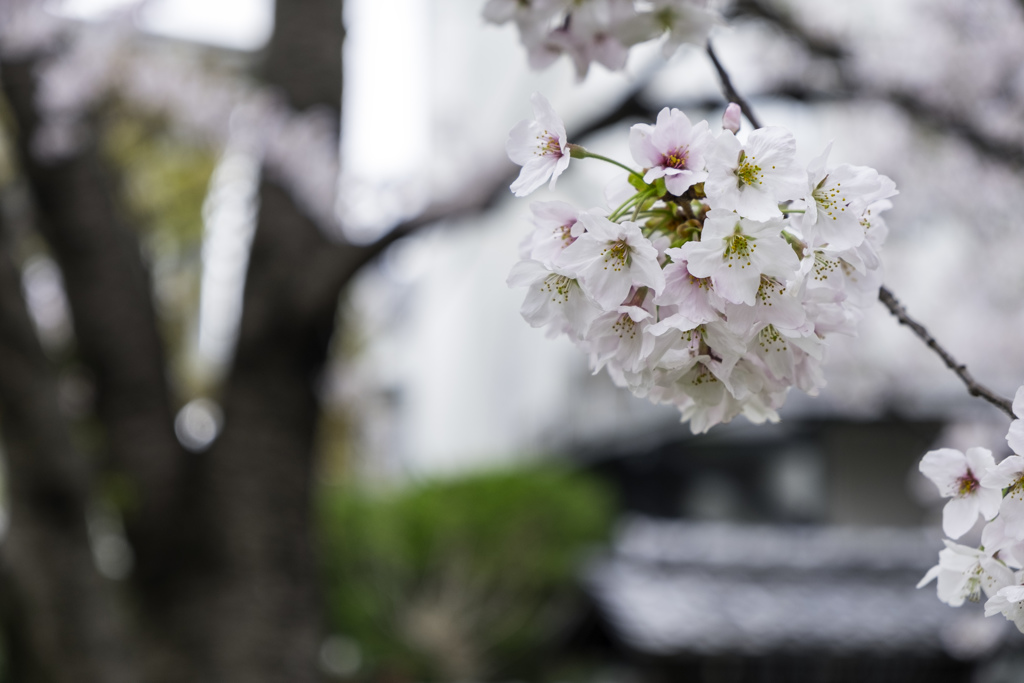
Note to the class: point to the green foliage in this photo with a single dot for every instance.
(459, 579)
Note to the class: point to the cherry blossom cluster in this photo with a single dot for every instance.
(715, 275)
(976, 485)
(600, 31)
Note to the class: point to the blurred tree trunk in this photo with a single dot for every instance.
(224, 584)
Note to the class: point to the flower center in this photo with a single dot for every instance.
(738, 247)
(747, 172)
(565, 232)
(767, 290)
(824, 266)
(625, 326)
(676, 158)
(548, 146)
(558, 286)
(966, 484)
(617, 255)
(769, 338)
(703, 376)
(829, 199)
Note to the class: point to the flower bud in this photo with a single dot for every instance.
(731, 118)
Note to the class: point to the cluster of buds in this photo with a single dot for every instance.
(714, 276)
(600, 30)
(976, 485)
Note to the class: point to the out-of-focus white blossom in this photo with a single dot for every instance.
(601, 31)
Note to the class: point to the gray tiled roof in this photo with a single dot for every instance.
(682, 588)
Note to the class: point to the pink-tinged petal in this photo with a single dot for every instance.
(559, 166)
(641, 145)
(533, 174)
(1015, 437)
(771, 144)
(989, 501)
(756, 205)
(525, 273)
(521, 142)
(980, 461)
(1005, 473)
(732, 118)
(672, 129)
(546, 116)
(1011, 511)
(739, 286)
(959, 516)
(599, 226)
(647, 273)
(679, 182)
(944, 467)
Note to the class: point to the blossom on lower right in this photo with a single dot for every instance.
(977, 485)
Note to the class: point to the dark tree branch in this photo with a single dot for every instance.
(730, 91)
(265, 614)
(973, 388)
(914, 106)
(63, 610)
(109, 293)
(886, 296)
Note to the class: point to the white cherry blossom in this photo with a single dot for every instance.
(555, 230)
(539, 146)
(611, 258)
(835, 202)
(672, 149)
(1015, 437)
(964, 572)
(753, 178)
(1009, 475)
(735, 252)
(553, 299)
(1008, 601)
(961, 477)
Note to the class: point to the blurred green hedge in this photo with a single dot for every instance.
(465, 579)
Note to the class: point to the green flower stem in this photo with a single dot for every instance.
(584, 153)
(625, 206)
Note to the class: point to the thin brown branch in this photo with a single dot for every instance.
(884, 294)
(730, 90)
(973, 387)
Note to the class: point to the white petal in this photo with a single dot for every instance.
(944, 466)
(959, 516)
